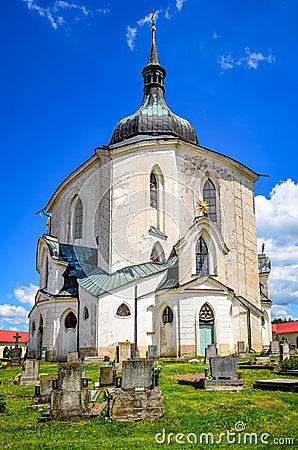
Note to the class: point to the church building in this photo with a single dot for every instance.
(152, 240)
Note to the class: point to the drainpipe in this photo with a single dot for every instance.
(136, 318)
(78, 323)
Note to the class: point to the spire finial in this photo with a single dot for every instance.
(153, 27)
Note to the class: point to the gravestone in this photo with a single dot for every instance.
(274, 347)
(210, 352)
(262, 359)
(16, 352)
(70, 399)
(123, 352)
(223, 367)
(72, 357)
(223, 371)
(241, 348)
(138, 398)
(152, 352)
(106, 376)
(137, 374)
(284, 351)
(30, 372)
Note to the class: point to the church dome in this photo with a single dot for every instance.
(154, 117)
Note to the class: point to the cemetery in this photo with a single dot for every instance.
(131, 399)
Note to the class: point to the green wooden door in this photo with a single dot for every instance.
(206, 336)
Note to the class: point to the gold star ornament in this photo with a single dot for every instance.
(202, 207)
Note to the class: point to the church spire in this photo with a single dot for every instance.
(153, 118)
(153, 73)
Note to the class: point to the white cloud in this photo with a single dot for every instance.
(72, 10)
(281, 311)
(26, 294)
(131, 34)
(250, 61)
(168, 14)
(16, 315)
(179, 4)
(277, 227)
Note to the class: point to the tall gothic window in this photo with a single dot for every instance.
(70, 321)
(78, 220)
(202, 266)
(209, 195)
(153, 190)
(168, 315)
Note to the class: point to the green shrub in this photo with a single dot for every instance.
(289, 364)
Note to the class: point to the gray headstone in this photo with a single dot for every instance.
(274, 347)
(30, 373)
(223, 367)
(210, 352)
(124, 351)
(284, 350)
(137, 373)
(152, 351)
(240, 347)
(106, 376)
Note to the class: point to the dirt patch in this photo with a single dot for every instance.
(187, 376)
(268, 403)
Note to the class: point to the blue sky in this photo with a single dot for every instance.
(71, 69)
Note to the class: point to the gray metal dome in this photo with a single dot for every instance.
(154, 116)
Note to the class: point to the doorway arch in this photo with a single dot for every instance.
(206, 327)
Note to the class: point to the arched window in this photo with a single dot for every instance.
(206, 314)
(158, 254)
(33, 328)
(86, 313)
(202, 266)
(70, 321)
(78, 220)
(153, 190)
(209, 195)
(168, 315)
(123, 310)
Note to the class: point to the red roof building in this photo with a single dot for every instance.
(7, 339)
(288, 330)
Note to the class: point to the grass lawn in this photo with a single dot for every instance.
(271, 416)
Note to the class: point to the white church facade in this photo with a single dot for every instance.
(152, 240)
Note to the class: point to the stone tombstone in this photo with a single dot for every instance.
(70, 399)
(30, 373)
(284, 351)
(72, 357)
(274, 347)
(16, 357)
(137, 373)
(106, 376)
(240, 347)
(152, 352)
(124, 351)
(45, 389)
(210, 352)
(223, 367)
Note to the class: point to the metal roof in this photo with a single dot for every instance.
(97, 283)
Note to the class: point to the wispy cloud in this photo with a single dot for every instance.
(277, 227)
(179, 4)
(131, 34)
(59, 12)
(250, 61)
(13, 315)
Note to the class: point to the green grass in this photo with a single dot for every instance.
(186, 411)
